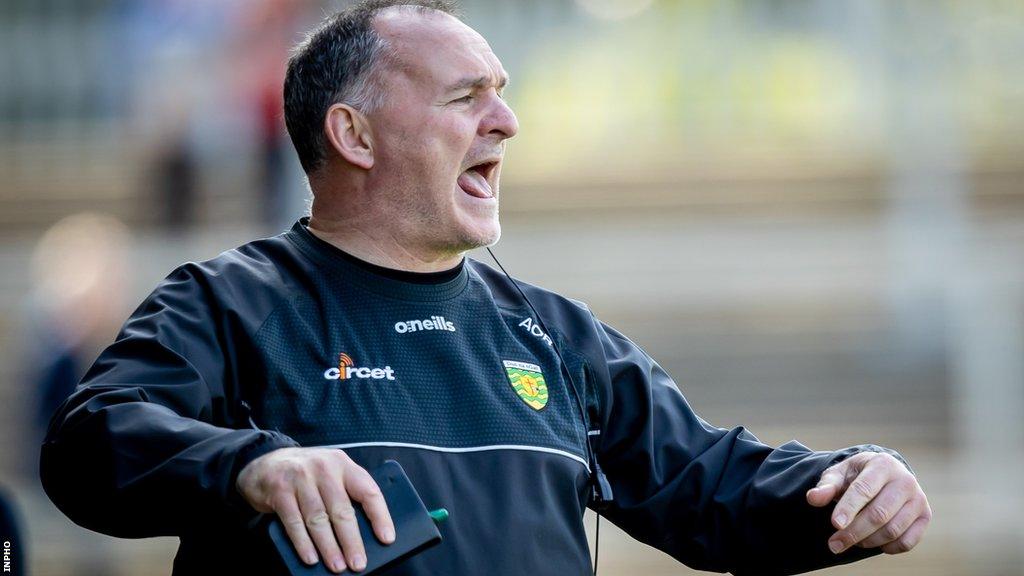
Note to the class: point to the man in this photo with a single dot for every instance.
(364, 334)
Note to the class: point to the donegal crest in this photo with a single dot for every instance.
(528, 382)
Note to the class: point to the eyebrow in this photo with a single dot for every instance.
(476, 82)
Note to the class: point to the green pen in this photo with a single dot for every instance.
(439, 515)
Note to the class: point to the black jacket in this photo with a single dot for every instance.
(458, 381)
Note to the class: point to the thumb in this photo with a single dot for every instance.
(829, 486)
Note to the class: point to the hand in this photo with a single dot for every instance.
(880, 503)
(311, 490)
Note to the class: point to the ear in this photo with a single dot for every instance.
(349, 134)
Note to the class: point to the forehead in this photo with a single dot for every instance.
(436, 47)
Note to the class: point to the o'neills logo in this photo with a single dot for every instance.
(347, 370)
(432, 323)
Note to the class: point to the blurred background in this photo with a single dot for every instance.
(811, 212)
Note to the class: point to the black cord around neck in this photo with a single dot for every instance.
(595, 468)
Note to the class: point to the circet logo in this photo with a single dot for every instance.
(347, 370)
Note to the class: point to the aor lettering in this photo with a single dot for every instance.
(534, 329)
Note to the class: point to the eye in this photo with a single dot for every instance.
(465, 99)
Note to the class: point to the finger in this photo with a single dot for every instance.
(318, 523)
(343, 521)
(873, 516)
(288, 511)
(364, 489)
(895, 527)
(909, 539)
(861, 490)
(831, 483)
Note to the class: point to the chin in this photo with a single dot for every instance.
(479, 236)
(493, 238)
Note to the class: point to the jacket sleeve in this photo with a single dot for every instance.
(147, 444)
(712, 498)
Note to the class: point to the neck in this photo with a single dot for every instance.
(345, 215)
(373, 242)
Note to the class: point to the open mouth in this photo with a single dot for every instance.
(476, 181)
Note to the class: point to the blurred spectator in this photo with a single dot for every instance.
(266, 33)
(79, 284)
(208, 102)
(175, 178)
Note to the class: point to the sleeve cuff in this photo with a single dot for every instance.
(267, 441)
(845, 453)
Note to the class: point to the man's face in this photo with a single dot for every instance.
(439, 138)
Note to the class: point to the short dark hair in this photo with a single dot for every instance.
(336, 63)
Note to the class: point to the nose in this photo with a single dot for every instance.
(500, 121)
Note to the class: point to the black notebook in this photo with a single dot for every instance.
(414, 529)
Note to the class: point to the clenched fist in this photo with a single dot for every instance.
(312, 490)
(880, 503)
